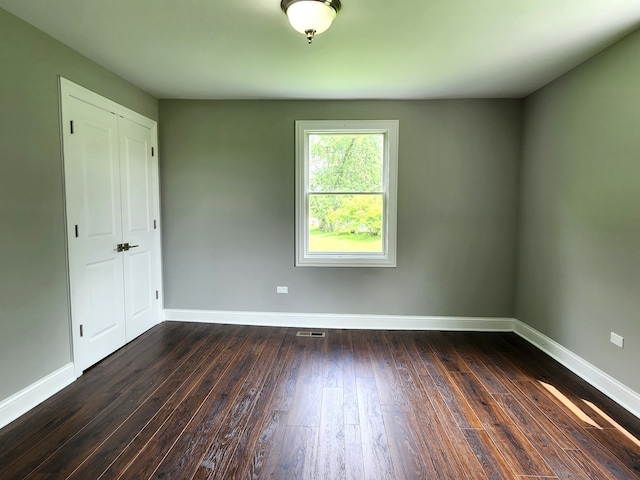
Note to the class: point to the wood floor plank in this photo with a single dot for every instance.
(464, 462)
(330, 461)
(514, 446)
(623, 447)
(456, 402)
(611, 467)
(556, 458)
(601, 405)
(266, 459)
(423, 424)
(160, 435)
(250, 436)
(587, 466)
(545, 370)
(286, 387)
(271, 430)
(492, 347)
(333, 371)
(597, 406)
(440, 432)
(445, 346)
(354, 466)
(558, 434)
(471, 356)
(194, 401)
(171, 414)
(185, 454)
(493, 464)
(361, 354)
(350, 405)
(224, 441)
(390, 391)
(405, 446)
(307, 397)
(375, 446)
(299, 457)
(155, 410)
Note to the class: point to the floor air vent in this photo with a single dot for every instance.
(310, 334)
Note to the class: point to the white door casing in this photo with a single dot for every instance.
(111, 187)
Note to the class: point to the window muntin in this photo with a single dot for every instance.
(346, 192)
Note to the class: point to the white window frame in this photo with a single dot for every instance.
(387, 258)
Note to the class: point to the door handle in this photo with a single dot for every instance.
(125, 247)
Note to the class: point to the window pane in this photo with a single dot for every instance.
(346, 162)
(345, 223)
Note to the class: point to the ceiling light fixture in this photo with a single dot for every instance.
(310, 17)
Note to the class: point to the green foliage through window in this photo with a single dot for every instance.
(345, 190)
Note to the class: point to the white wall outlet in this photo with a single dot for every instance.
(617, 340)
(280, 289)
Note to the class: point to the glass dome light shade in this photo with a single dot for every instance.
(308, 15)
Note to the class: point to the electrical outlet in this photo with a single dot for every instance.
(617, 340)
(280, 289)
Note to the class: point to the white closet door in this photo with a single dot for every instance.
(111, 186)
(92, 183)
(141, 262)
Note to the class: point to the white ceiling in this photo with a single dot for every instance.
(375, 48)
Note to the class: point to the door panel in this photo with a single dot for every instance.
(102, 279)
(100, 175)
(136, 169)
(140, 274)
(92, 173)
(138, 174)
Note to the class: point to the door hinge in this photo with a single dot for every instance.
(152, 152)
(155, 224)
(81, 330)
(157, 295)
(76, 229)
(71, 122)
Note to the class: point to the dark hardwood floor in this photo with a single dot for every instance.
(193, 401)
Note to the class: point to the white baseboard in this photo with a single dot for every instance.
(608, 385)
(36, 393)
(326, 320)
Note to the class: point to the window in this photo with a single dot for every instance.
(346, 193)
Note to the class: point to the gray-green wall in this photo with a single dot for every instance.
(579, 249)
(227, 183)
(34, 308)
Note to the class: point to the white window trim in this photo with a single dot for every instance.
(390, 128)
